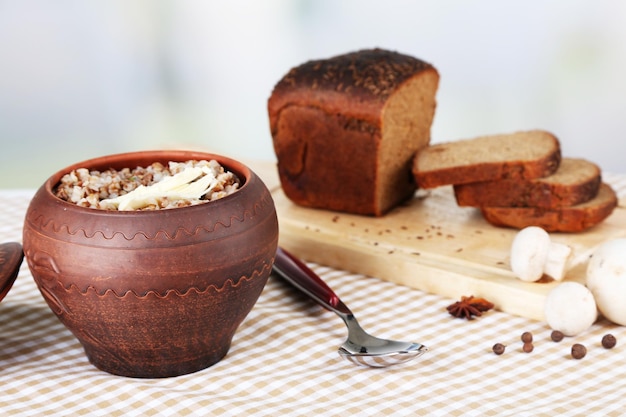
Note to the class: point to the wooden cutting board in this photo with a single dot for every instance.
(430, 244)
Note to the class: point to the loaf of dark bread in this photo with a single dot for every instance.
(345, 129)
(520, 155)
(562, 219)
(574, 182)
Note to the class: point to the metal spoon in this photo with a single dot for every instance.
(360, 347)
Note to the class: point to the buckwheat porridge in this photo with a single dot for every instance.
(157, 186)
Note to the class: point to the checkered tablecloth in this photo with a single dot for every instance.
(284, 360)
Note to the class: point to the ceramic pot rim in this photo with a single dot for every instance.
(146, 157)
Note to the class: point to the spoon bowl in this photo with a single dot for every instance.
(360, 347)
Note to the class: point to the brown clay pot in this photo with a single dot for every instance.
(153, 293)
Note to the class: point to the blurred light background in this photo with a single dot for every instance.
(80, 79)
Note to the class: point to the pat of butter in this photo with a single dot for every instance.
(192, 184)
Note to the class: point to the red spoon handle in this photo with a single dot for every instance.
(307, 281)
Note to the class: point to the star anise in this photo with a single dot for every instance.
(469, 307)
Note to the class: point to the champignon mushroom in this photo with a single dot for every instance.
(570, 308)
(533, 254)
(606, 278)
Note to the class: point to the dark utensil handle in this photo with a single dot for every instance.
(302, 277)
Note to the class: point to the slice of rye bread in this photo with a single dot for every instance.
(563, 219)
(520, 155)
(574, 182)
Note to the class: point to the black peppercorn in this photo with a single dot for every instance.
(578, 351)
(527, 337)
(498, 348)
(528, 347)
(608, 341)
(556, 336)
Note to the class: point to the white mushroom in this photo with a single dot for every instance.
(533, 254)
(570, 308)
(606, 278)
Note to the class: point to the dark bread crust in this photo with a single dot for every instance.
(327, 120)
(570, 219)
(357, 84)
(541, 192)
(334, 185)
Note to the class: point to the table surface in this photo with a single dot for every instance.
(284, 360)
